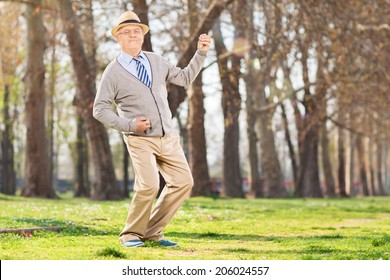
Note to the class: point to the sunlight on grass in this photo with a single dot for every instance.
(205, 228)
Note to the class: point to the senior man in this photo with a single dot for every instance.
(136, 82)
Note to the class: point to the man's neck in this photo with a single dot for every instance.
(132, 52)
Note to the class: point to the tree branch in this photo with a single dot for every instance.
(178, 94)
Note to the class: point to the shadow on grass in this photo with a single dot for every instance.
(310, 247)
(310, 253)
(67, 228)
(8, 197)
(248, 237)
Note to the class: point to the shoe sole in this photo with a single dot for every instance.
(134, 246)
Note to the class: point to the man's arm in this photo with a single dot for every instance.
(185, 76)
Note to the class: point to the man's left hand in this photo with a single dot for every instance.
(204, 42)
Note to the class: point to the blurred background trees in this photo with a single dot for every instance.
(293, 100)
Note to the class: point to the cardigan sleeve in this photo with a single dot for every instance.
(185, 76)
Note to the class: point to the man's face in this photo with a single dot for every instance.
(130, 38)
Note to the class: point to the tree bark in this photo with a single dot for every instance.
(195, 127)
(231, 105)
(341, 169)
(272, 171)
(267, 55)
(371, 168)
(308, 134)
(294, 164)
(341, 186)
(386, 166)
(81, 187)
(379, 160)
(362, 160)
(197, 140)
(37, 181)
(50, 110)
(308, 180)
(7, 169)
(256, 187)
(330, 189)
(104, 185)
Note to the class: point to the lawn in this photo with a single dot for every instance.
(206, 229)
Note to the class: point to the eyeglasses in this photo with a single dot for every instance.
(129, 32)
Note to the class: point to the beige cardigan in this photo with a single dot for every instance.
(133, 99)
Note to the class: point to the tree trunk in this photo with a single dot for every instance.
(256, 187)
(298, 123)
(330, 189)
(341, 169)
(104, 185)
(379, 160)
(197, 140)
(232, 182)
(272, 171)
(231, 103)
(371, 164)
(351, 163)
(50, 113)
(81, 187)
(294, 164)
(87, 32)
(362, 165)
(195, 127)
(7, 170)
(386, 166)
(308, 139)
(308, 134)
(37, 181)
(308, 180)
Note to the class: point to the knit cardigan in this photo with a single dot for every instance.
(133, 98)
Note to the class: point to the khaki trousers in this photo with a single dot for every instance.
(150, 155)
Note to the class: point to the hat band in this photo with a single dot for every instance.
(130, 21)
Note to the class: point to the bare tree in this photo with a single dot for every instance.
(7, 169)
(37, 180)
(9, 58)
(177, 94)
(104, 185)
(267, 53)
(195, 127)
(231, 105)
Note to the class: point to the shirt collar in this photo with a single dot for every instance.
(141, 56)
(128, 58)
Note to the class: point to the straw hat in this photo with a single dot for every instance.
(128, 18)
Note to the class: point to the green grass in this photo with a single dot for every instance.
(206, 228)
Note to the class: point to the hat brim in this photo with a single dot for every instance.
(114, 31)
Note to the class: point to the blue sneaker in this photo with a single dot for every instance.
(133, 243)
(167, 243)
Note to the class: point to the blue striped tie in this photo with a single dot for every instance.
(142, 73)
